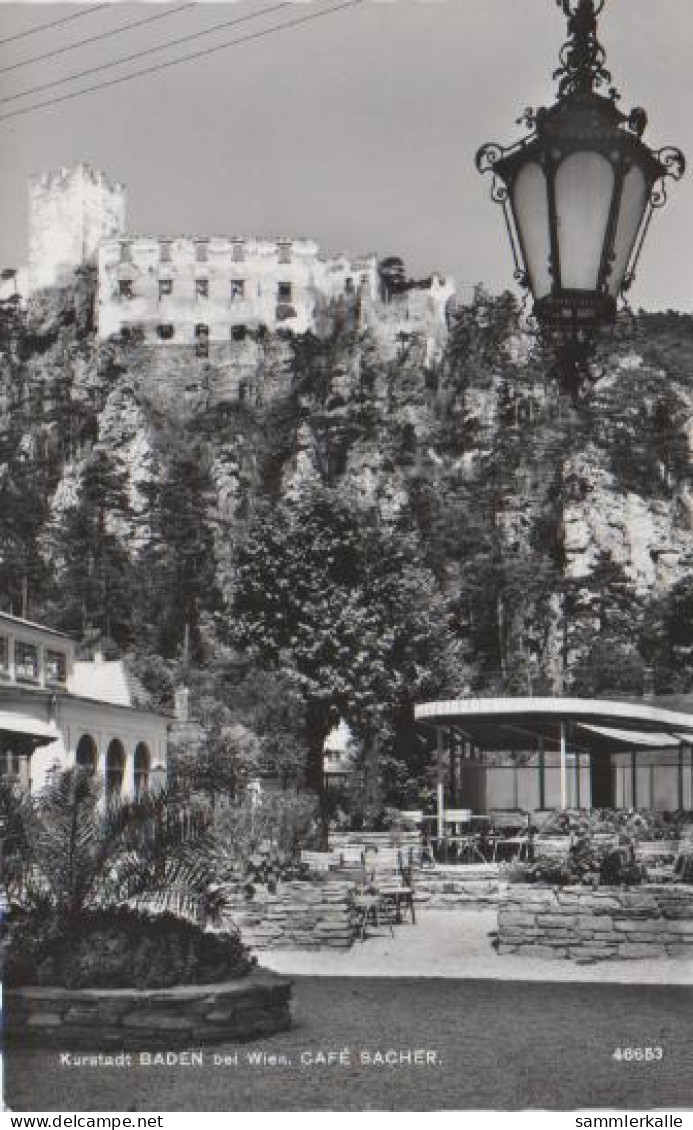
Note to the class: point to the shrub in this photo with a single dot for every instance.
(118, 948)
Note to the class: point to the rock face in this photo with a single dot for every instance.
(606, 924)
(445, 421)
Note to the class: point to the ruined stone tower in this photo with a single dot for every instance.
(70, 212)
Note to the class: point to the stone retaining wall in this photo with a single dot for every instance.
(301, 915)
(609, 923)
(256, 1005)
(458, 886)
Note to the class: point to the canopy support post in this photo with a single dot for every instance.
(564, 766)
(440, 766)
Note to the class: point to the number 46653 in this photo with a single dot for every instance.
(638, 1055)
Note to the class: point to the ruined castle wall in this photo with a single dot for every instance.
(172, 291)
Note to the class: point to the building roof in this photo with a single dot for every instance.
(594, 724)
(14, 722)
(106, 681)
(36, 627)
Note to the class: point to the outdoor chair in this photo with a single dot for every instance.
(371, 906)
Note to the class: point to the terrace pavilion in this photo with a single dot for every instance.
(535, 754)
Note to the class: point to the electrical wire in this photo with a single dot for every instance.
(94, 38)
(146, 51)
(54, 23)
(183, 59)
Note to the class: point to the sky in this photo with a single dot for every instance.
(358, 128)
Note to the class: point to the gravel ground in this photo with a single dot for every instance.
(491, 1045)
(457, 944)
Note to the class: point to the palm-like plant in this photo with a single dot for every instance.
(80, 854)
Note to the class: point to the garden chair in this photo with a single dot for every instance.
(369, 905)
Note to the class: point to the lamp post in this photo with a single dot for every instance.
(578, 193)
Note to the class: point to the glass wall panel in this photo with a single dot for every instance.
(531, 209)
(552, 780)
(688, 779)
(585, 780)
(528, 786)
(623, 780)
(643, 785)
(584, 190)
(632, 210)
(500, 787)
(666, 787)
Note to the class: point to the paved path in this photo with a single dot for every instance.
(458, 944)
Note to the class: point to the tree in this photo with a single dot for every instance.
(177, 567)
(93, 566)
(219, 758)
(323, 591)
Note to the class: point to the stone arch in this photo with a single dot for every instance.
(143, 764)
(115, 768)
(86, 754)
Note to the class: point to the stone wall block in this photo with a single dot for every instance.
(640, 950)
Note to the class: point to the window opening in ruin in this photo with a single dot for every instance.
(238, 254)
(165, 287)
(125, 252)
(125, 288)
(238, 333)
(26, 661)
(201, 252)
(56, 667)
(202, 340)
(4, 655)
(284, 292)
(165, 332)
(165, 252)
(349, 286)
(284, 252)
(237, 288)
(202, 288)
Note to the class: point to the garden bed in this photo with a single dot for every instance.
(97, 1019)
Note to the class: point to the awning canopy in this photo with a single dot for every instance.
(14, 724)
(597, 725)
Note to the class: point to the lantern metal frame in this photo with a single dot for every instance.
(582, 120)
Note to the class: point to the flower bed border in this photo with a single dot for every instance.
(96, 1019)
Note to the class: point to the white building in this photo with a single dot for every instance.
(58, 712)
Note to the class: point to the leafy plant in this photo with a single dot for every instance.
(79, 855)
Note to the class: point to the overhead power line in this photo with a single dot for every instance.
(94, 38)
(54, 23)
(147, 51)
(302, 20)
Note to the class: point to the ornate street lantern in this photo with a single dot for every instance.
(579, 192)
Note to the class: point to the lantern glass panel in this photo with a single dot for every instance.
(531, 210)
(584, 191)
(633, 204)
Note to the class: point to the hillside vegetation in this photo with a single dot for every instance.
(354, 529)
